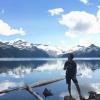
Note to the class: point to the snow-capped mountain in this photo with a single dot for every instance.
(90, 51)
(30, 49)
(51, 50)
(82, 51)
(21, 48)
(21, 44)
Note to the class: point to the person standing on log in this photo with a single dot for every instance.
(71, 70)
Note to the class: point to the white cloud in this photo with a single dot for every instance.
(71, 34)
(80, 22)
(98, 14)
(56, 11)
(7, 30)
(98, 6)
(63, 46)
(84, 1)
(84, 42)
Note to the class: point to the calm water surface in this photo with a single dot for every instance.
(17, 73)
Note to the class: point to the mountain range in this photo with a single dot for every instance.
(20, 49)
(24, 49)
(81, 51)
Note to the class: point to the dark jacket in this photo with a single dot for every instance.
(71, 68)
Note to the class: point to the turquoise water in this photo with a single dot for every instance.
(16, 73)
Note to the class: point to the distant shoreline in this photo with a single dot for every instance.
(33, 59)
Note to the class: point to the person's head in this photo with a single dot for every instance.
(70, 56)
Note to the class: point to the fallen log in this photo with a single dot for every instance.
(38, 97)
(37, 84)
(46, 82)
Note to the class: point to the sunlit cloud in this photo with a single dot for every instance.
(56, 11)
(76, 23)
(98, 6)
(70, 34)
(7, 30)
(98, 15)
(85, 42)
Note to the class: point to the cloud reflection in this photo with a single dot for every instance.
(18, 72)
(21, 71)
(85, 72)
(8, 84)
(58, 65)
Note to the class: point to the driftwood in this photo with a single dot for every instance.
(37, 84)
(46, 82)
(38, 97)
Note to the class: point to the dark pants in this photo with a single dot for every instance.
(69, 78)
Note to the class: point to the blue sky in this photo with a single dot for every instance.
(57, 22)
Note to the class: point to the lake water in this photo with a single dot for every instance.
(17, 73)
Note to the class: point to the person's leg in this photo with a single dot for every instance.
(77, 86)
(69, 88)
(68, 81)
(78, 89)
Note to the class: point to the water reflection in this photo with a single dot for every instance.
(92, 64)
(87, 67)
(18, 69)
(7, 85)
(85, 89)
(17, 73)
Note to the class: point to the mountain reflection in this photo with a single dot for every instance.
(20, 68)
(92, 64)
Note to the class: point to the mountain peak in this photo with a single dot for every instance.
(92, 45)
(22, 44)
(19, 41)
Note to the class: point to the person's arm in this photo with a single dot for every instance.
(75, 68)
(65, 66)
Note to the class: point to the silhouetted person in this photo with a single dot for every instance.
(71, 70)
